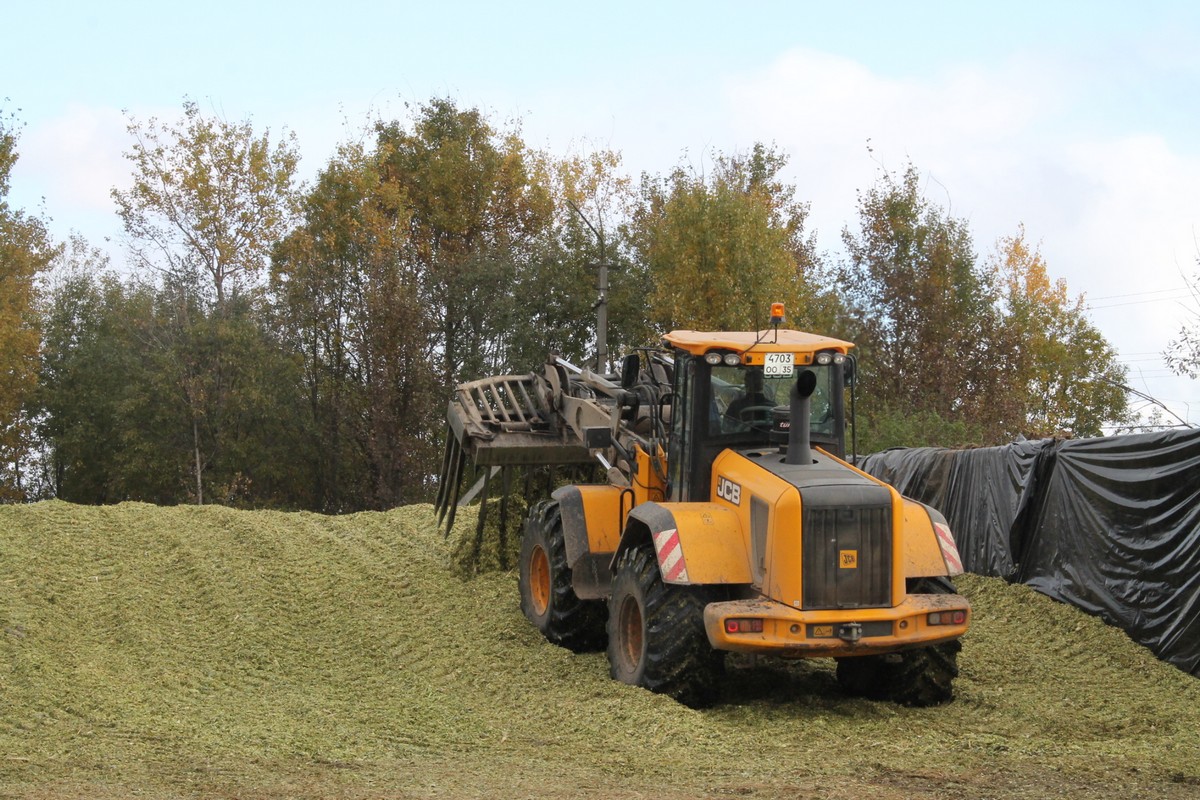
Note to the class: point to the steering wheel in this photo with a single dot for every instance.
(756, 416)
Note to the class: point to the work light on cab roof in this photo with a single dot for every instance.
(776, 314)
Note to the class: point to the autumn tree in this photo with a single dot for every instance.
(25, 251)
(954, 352)
(924, 316)
(1183, 352)
(479, 205)
(557, 292)
(208, 201)
(1061, 373)
(351, 304)
(721, 248)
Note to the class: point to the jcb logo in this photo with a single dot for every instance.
(728, 490)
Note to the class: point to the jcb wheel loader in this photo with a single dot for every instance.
(729, 520)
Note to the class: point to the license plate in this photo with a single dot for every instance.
(778, 365)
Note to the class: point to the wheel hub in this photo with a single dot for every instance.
(539, 580)
(631, 631)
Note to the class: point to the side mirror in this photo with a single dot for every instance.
(849, 370)
(630, 365)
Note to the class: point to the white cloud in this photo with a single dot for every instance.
(1115, 212)
(77, 157)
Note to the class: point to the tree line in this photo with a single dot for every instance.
(268, 344)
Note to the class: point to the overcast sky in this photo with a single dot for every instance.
(1078, 120)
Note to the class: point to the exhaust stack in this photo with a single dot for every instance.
(799, 450)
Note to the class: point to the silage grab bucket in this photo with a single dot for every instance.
(496, 424)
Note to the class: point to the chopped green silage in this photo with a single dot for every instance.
(188, 652)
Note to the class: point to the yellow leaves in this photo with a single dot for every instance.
(25, 250)
(207, 191)
(1022, 272)
(719, 250)
(1062, 368)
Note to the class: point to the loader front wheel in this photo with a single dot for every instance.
(925, 676)
(656, 636)
(547, 597)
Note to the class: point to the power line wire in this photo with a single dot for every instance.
(1140, 294)
(1138, 302)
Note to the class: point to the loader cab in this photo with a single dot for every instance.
(731, 402)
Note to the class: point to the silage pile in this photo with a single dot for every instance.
(203, 651)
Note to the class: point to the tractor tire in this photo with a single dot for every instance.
(547, 597)
(920, 677)
(656, 636)
(925, 676)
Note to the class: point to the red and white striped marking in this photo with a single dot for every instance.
(670, 556)
(949, 549)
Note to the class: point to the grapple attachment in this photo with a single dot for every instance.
(501, 422)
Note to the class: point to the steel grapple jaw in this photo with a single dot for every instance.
(497, 423)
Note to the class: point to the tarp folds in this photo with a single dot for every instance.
(1110, 525)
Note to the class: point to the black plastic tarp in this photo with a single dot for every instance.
(979, 491)
(1110, 525)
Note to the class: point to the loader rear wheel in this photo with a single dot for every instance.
(656, 636)
(547, 598)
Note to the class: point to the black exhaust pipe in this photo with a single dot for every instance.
(799, 450)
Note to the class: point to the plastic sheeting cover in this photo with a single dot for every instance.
(1110, 525)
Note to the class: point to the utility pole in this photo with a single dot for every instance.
(601, 304)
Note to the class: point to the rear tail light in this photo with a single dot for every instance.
(947, 618)
(743, 626)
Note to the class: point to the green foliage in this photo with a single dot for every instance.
(1063, 377)
(950, 348)
(352, 309)
(25, 251)
(720, 250)
(126, 402)
(87, 361)
(478, 205)
(123, 398)
(221, 390)
(887, 428)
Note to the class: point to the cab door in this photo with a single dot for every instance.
(680, 448)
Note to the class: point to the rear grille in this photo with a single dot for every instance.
(847, 554)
